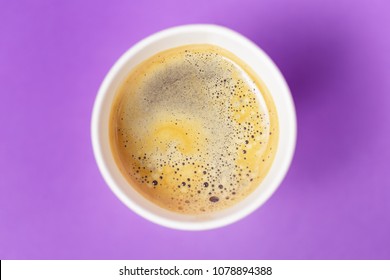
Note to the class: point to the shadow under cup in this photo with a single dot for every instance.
(250, 54)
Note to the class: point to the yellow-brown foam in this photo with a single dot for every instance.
(193, 129)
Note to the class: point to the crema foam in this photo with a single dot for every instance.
(193, 129)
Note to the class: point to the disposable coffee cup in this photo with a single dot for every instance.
(250, 54)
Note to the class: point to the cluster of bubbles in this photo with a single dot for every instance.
(193, 133)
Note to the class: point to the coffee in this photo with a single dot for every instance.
(193, 129)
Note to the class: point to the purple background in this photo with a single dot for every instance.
(335, 200)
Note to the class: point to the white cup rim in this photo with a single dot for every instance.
(288, 144)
